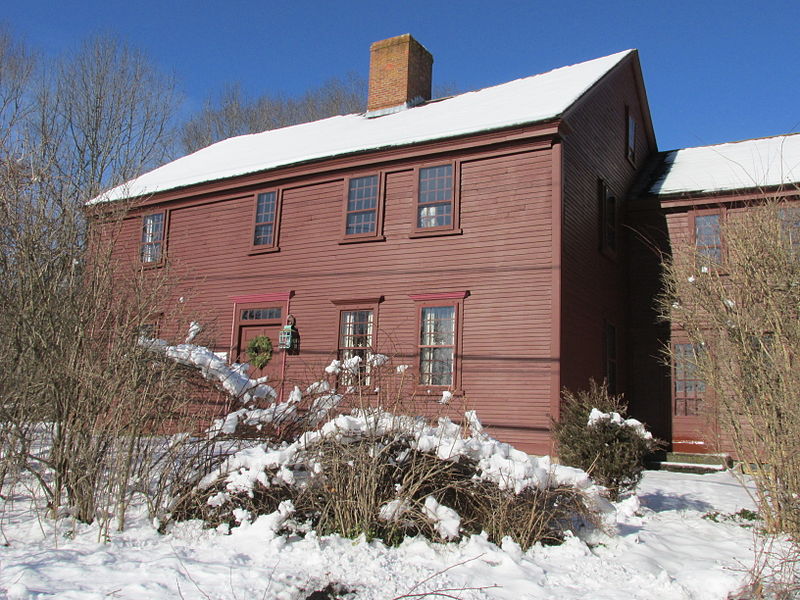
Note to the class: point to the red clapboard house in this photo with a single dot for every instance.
(477, 237)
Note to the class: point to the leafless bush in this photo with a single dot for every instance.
(380, 486)
(83, 409)
(742, 316)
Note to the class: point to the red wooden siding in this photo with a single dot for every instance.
(594, 289)
(502, 259)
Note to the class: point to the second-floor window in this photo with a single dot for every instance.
(361, 219)
(264, 232)
(708, 240)
(790, 227)
(608, 218)
(435, 198)
(151, 247)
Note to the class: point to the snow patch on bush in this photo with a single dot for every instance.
(596, 415)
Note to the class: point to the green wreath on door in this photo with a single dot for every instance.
(259, 351)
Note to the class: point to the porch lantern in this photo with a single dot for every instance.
(289, 338)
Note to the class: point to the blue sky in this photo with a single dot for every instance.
(715, 70)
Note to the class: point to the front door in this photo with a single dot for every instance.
(273, 367)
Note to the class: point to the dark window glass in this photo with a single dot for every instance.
(631, 139)
(256, 314)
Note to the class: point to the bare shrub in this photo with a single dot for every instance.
(742, 317)
(380, 484)
(610, 448)
(83, 408)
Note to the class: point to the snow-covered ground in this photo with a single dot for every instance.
(664, 549)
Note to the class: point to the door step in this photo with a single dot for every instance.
(685, 462)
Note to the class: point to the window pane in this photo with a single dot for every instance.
(151, 253)
(152, 228)
(435, 215)
(363, 193)
(707, 239)
(438, 326)
(265, 209)
(436, 366)
(360, 222)
(263, 235)
(356, 329)
(254, 314)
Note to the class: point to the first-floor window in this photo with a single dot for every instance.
(689, 388)
(151, 246)
(437, 345)
(355, 340)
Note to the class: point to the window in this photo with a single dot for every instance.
(610, 355)
(790, 225)
(363, 207)
(707, 240)
(688, 387)
(439, 328)
(437, 345)
(151, 248)
(260, 314)
(608, 218)
(356, 340)
(630, 139)
(266, 221)
(436, 211)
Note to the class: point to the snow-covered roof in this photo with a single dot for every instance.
(529, 100)
(759, 163)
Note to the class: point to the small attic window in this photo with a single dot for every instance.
(630, 140)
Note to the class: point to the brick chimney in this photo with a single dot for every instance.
(399, 74)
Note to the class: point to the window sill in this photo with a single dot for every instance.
(360, 240)
(254, 251)
(422, 233)
(434, 392)
(153, 265)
